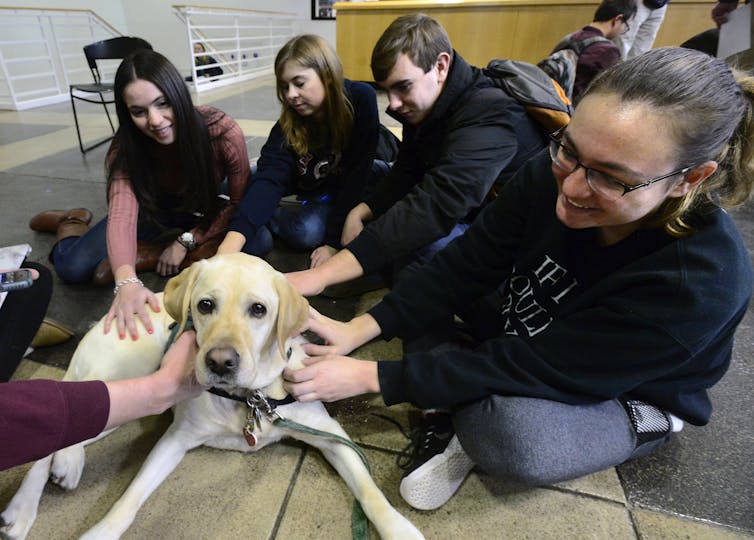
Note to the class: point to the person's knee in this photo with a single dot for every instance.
(304, 231)
(71, 268)
(70, 272)
(508, 459)
(540, 442)
(261, 244)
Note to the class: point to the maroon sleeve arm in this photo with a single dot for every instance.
(40, 416)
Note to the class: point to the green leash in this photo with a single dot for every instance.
(359, 522)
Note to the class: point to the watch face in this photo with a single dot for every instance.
(187, 240)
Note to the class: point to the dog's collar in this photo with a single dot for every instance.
(256, 397)
(271, 401)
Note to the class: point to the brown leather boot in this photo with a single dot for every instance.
(50, 220)
(147, 255)
(71, 227)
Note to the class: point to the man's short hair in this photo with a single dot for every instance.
(612, 8)
(420, 37)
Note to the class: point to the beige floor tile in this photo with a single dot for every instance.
(365, 419)
(484, 509)
(211, 494)
(29, 369)
(658, 526)
(604, 484)
(479, 509)
(320, 504)
(25, 151)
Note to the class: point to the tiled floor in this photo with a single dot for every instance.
(699, 486)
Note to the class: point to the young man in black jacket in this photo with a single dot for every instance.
(461, 135)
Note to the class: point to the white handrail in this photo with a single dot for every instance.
(36, 63)
(242, 42)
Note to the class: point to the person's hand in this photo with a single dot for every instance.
(721, 10)
(171, 258)
(34, 273)
(232, 243)
(340, 337)
(306, 282)
(354, 223)
(176, 374)
(131, 301)
(330, 378)
(321, 254)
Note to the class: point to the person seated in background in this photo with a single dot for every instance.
(322, 149)
(624, 279)
(23, 322)
(205, 60)
(592, 43)
(166, 169)
(40, 416)
(461, 134)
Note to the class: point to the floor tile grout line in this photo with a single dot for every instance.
(288, 494)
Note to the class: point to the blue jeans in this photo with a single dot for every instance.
(302, 228)
(76, 258)
(407, 265)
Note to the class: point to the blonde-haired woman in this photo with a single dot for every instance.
(321, 149)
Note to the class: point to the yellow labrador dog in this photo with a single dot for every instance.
(244, 313)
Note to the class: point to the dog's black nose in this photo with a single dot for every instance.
(222, 360)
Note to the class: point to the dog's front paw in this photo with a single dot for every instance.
(16, 521)
(67, 466)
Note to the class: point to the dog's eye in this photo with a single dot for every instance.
(205, 306)
(257, 310)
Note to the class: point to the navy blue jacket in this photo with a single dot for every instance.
(650, 317)
(343, 178)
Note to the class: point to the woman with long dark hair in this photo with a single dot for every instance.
(166, 169)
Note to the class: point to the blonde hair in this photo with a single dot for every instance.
(709, 108)
(303, 133)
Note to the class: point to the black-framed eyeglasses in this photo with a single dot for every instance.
(626, 27)
(601, 183)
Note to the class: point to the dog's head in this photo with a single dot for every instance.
(243, 311)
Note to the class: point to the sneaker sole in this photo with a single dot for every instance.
(435, 482)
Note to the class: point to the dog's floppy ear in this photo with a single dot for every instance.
(293, 310)
(177, 298)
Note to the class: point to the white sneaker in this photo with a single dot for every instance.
(432, 484)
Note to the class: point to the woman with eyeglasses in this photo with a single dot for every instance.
(619, 281)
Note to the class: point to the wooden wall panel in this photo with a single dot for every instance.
(484, 29)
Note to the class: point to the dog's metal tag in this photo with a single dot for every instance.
(251, 439)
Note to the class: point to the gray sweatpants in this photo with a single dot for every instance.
(537, 441)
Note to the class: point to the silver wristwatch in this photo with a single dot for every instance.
(187, 241)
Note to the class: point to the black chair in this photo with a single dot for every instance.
(109, 49)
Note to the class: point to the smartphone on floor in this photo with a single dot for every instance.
(15, 279)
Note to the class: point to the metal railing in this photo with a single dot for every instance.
(41, 53)
(243, 43)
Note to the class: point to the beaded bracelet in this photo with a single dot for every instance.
(126, 282)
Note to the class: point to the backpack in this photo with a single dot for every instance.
(387, 145)
(561, 64)
(543, 99)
